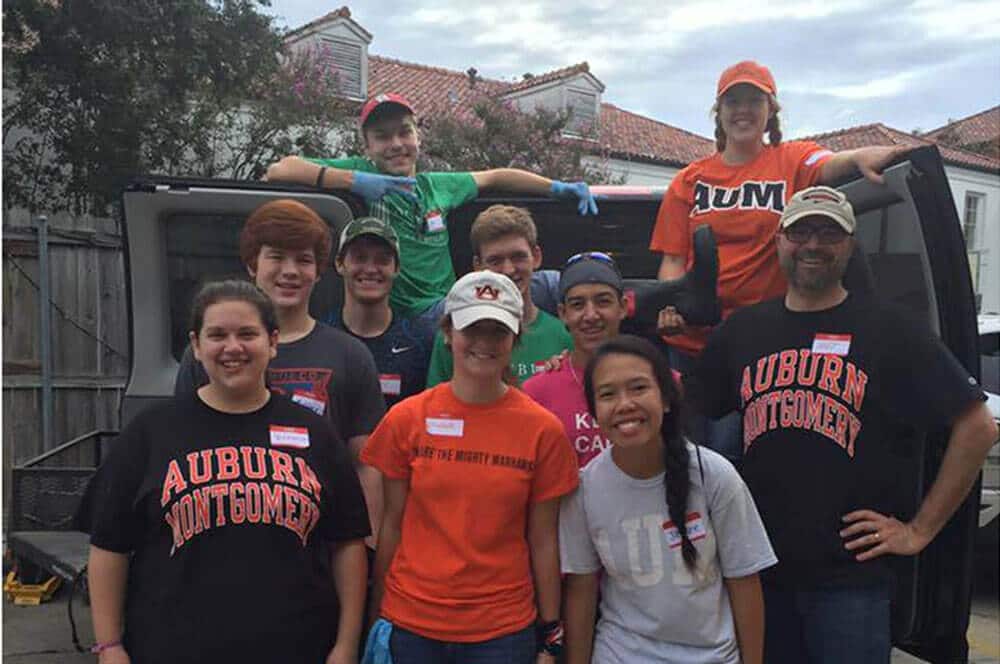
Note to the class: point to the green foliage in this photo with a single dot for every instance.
(98, 91)
(499, 135)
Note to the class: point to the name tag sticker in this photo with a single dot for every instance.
(297, 437)
(831, 344)
(695, 530)
(441, 426)
(434, 221)
(538, 367)
(391, 384)
(310, 401)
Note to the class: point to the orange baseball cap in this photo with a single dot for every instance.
(378, 100)
(750, 72)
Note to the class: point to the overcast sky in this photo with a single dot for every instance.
(837, 63)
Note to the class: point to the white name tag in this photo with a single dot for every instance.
(441, 426)
(695, 530)
(391, 384)
(435, 222)
(831, 344)
(297, 437)
(310, 401)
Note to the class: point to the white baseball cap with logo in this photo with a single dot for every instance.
(820, 201)
(484, 295)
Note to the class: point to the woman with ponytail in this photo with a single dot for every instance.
(740, 191)
(667, 531)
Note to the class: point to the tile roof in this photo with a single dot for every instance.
(880, 134)
(976, 130)
(623, 135)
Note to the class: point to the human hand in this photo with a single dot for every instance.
(579, 190)
(373, 186)
(556, 362)
(876, 534)
(545, 658)
(669, 322)
(872, 160)
(342, 653)
(291, 169)
(114, 655)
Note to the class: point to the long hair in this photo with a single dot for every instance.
(773, 127)
(676, 457)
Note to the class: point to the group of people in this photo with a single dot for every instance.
(542, 488)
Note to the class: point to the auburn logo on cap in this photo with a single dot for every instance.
(487, 292)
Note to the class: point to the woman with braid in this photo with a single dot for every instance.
(666, 530)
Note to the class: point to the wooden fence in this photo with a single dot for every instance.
(89, 332)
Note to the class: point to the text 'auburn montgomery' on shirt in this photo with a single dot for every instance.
(462, 571)
(228, 518)
(835, 406)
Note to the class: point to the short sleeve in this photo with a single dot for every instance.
(110, 509)
(672, 232)
(809, 159)
(556, 467)
(710, 385)
(741, 539)
(451, 190)
(577, 554)
(367, 406)
(190, 375)
(441, 366)
(345, 515)
(388, 448)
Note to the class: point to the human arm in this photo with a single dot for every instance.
(519, 181)
(395, 492)
(370, 186)
(872, 534)
(107, 575)
(371, 487)
(580, 611)
(747, 602)
(350, 572)
(869, 161)
(543, 545)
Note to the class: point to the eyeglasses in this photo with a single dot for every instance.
(593, 256)
(799, 234)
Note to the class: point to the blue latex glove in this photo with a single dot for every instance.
(577, 190)
(372, 186)
(377, 647)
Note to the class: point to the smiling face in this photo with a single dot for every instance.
(287, 276)
(593, 314)
(392, 141)
(815, 267)
(368, 267)
(743, 114)
(512, 256)
(481, 350)
(628, 403)
(234, 347)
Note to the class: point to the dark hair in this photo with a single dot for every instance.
(773, 127)
(675, 452)
(228, 291)
(285, 224)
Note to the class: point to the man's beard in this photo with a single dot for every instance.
(813, 280)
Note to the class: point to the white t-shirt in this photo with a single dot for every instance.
(653, 608)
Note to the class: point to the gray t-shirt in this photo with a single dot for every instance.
(328, 371)
(653, 609)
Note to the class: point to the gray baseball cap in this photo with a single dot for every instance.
(819, 201)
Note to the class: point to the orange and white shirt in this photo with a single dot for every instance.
(742, 204)
(462, 570)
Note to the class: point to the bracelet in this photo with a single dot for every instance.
(549, 636)
(319, 177)
(98, 648)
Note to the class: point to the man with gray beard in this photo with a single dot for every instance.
(825, 380)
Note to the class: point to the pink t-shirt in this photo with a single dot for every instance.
(561, 392)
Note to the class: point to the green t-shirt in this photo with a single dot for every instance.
(545, 337)
(426, 273)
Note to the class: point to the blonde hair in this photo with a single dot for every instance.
(498, 221)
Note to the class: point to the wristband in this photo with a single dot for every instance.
(319, 177)
(549, 636)
(98, 648)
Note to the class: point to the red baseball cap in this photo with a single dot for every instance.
(750, 72)
(378, 100)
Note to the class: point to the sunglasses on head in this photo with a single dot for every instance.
(592, 256)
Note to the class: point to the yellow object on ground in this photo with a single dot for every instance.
(29, 594)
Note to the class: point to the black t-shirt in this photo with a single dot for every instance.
(825, 396)
(327, 371)
(229, 519)
(402, 354)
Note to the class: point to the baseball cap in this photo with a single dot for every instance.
(750, 72)
(378, 100)
(591, 267)
(822, 201)
(368, 226)
(482, 295)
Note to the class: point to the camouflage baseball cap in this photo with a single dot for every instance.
(368, 226)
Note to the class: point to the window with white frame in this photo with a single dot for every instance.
(345, 57)
(974, 204)
(583, 106)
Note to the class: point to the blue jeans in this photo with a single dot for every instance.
(409, 648)
(724, 435)
(828, 626)
(544, 293)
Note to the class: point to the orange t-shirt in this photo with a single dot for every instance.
(462, 570)
(742, 204)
